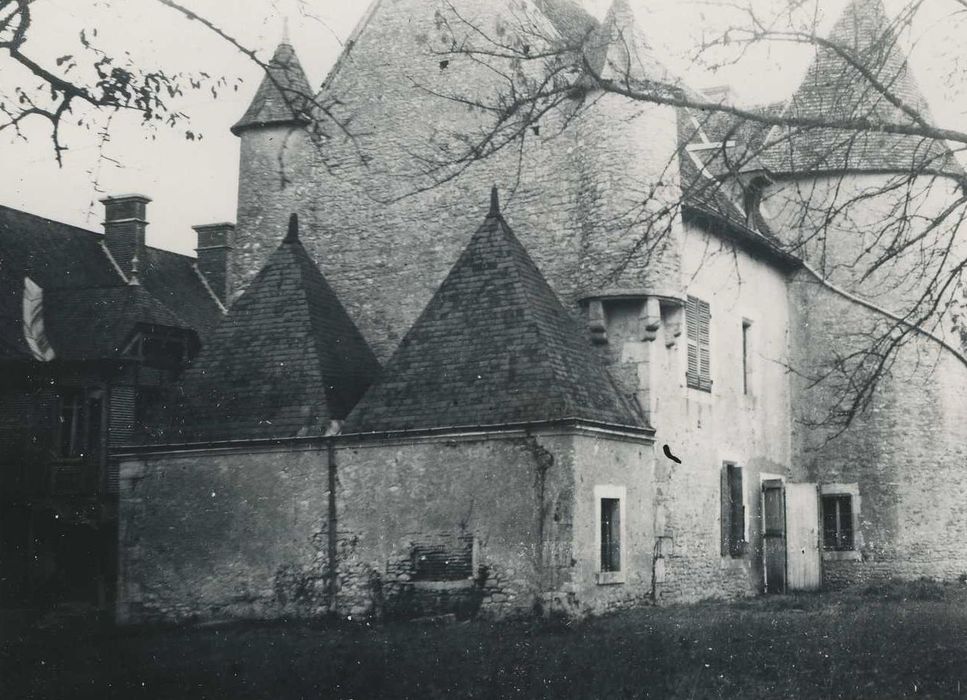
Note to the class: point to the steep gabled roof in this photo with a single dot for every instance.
(494, 346)
(285, 361)
(72, 267)
(620, 51)
(283, 97)
(835, 88)
(569, 18)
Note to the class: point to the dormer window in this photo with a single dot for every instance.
(753, 192)
(160, 350)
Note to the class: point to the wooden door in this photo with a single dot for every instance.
(803, 559)
(774, 536)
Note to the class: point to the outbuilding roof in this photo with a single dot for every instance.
(494, 346)
(285, 361)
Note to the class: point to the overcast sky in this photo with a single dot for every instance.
(194, 182)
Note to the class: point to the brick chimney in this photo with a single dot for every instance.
(124, 226)
(215, 244)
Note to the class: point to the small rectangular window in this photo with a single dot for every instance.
(697, 326)
(610, 534)
(746, 356)
(838, 522)
(733, 512)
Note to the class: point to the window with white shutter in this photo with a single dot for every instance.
(697, 324)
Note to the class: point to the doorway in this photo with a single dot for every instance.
(790, 537)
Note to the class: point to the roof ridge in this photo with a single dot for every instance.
(80, 229)
(323, 353)
(348, 45)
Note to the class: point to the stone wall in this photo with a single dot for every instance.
(244, 533)
(707, 429)
(385, 235)
(882, 237)
(905, 451)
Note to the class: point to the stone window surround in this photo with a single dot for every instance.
(853, 491)
(602, 491)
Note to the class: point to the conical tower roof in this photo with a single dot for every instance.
(283, 97)
(861, 53)
(285, 361)
(494, 346)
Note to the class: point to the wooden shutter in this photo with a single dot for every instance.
(733, 511)
(726, 511)
(697, 329)
(737, 535)
(692, 334)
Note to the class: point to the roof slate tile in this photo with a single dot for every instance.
(493, 346)
(284, 361)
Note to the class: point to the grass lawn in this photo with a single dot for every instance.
(896, 641)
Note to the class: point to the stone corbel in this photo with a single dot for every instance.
(673, 327)
(596, 322)
(650, 319)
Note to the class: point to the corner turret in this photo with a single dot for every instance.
(276, 154)
(284, 96)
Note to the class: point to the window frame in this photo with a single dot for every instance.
(734, 515)
(79, 437)
(603, 492)
(747, 347)
(842, 532)
(842, 490)
(698, 342)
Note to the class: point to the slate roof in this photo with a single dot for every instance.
(283, 97)
(494, 346)
(98, 322)
(78, 278)
(832, 88)
(285, 361)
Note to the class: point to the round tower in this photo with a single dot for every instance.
(862, 208)
(274, 162)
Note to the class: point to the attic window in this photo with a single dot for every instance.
(752, 200)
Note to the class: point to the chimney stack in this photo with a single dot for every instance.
(125, 222)
(215, 244)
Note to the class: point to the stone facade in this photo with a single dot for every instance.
(524, 501)
(385, 255)
(342, 524)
